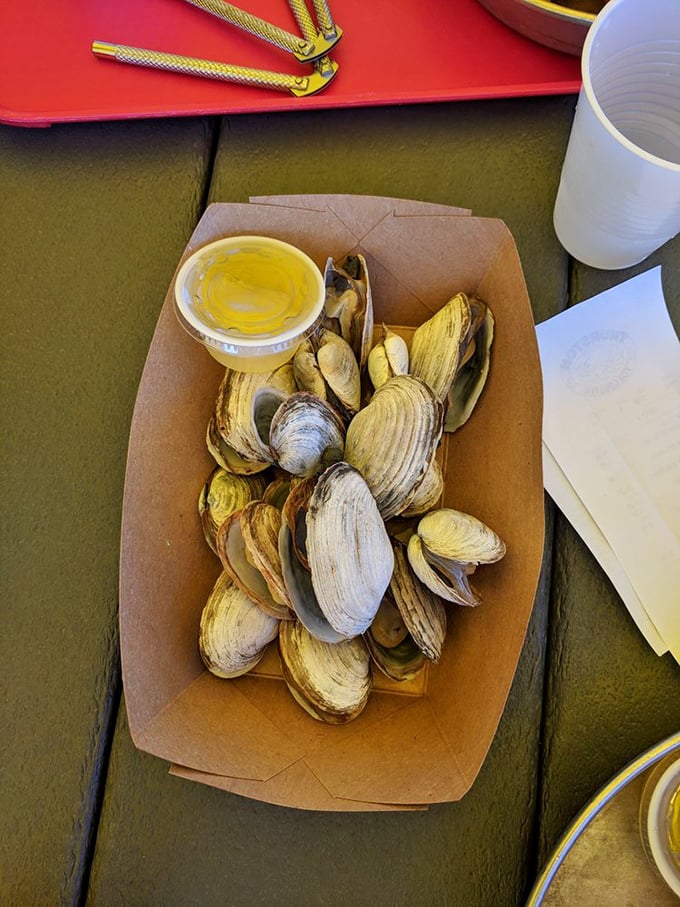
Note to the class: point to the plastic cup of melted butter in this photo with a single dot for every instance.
(250, 300)
(660, 820)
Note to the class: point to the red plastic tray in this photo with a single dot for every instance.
(391, 53)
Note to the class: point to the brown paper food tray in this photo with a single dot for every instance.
(248, 735)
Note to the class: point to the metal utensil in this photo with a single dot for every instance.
(311, 46)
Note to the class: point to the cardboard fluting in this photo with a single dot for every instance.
(248, 735)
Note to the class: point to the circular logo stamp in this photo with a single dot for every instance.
(598, 363)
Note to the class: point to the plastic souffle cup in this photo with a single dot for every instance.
(250, 300)
(619, 193)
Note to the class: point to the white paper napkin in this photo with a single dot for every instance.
(611, 436)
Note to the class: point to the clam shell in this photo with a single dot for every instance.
(389, 357)
(301, 593)
(393, 439)
(340, 369)
(447, 547)
(349, 303)
(223, 493)
(306, 434)
(306, 369)
(388, 628)
(234, 632)
(422, 611)
(331, 681)
(348, 548)
(427, 493)
(436, 345)
(246, 403)
(401, 662)
(454, 535)
(472, 374)
(237, 562)
(226, 457)
(295, 515)
(260, 524)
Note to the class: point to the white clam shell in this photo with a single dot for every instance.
(246, 403)
(436, 345)
(393, 439)
(348, 548)
(389, 357)
(306, 434)
(234, 632)
(422, 611)
(447, 546)
(331, 681)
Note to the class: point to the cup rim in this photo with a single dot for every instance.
(591, 35)
(257, 344)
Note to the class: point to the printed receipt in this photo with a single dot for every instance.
(611, 443)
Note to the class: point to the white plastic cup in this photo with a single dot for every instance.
(619, 193)
(250, 300)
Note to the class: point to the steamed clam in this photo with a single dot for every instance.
(305, 434)
(436, 345)
(246, 403)
(393, 440)
(349, 550)
(247, 545)
(223, 493)
(389, 357)
(390, 644)
(234, 632)
(349, 303)
(326, 365)
(447, 547)
(473, 368)
(330, 681)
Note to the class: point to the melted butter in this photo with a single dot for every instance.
(252, 291)
(673, 826)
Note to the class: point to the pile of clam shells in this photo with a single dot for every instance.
(322, 506)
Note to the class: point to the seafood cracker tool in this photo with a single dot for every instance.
(311, 46)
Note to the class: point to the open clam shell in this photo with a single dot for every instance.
(349, 303)
(393, 440)
(331, 681)
(447, 547)
(225, 455)
(246, 403)
(238, 560)
(301, 593)
(473, 370)
(436, 345)
(260, 524)
(401, 662)
(223, 493)
(390, 644)
(348, 548)
(234, 632)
